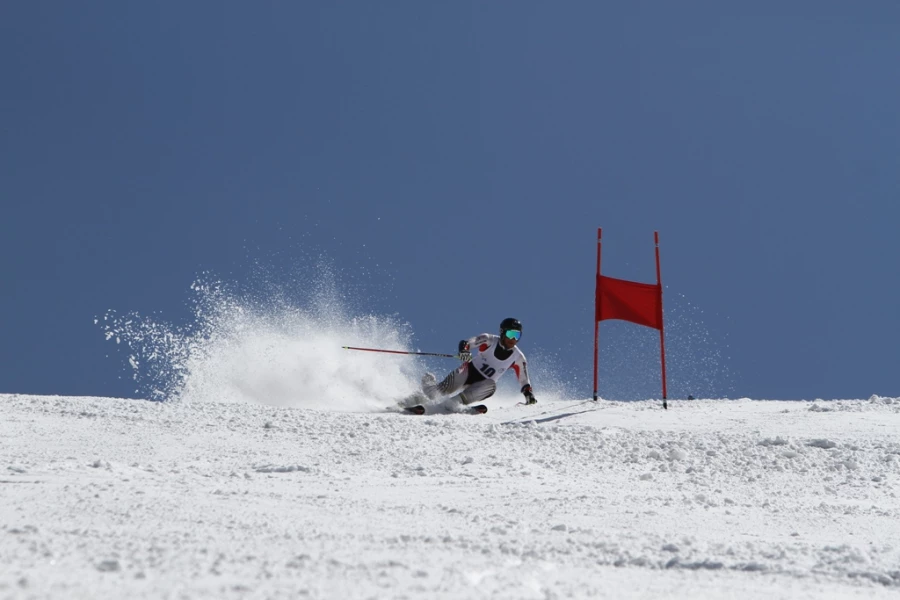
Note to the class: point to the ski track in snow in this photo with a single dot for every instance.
(110, 498)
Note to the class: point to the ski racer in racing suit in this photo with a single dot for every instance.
(476, 379)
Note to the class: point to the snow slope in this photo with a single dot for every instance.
(110, 498)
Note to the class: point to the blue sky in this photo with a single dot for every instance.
(465, 153)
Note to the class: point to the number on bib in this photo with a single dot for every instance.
(488, 370)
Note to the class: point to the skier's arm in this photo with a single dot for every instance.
(520, 366)
(465, 346)
(478, 340)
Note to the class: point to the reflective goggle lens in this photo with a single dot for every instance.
(512, 334)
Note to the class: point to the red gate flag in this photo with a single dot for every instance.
(630, 301)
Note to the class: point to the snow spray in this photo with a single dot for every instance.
(271, 344)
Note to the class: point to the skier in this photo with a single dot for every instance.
(476, 379)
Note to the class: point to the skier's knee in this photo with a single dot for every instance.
(478, 392)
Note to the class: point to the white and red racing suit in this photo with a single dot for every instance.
(477, 380)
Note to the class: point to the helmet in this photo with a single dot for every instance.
(510, 323)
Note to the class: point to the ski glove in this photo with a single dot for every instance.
(529, 397)
(464, 354)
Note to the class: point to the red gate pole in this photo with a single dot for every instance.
(596, 322)
(662, 339)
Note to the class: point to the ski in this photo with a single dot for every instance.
(418, 409)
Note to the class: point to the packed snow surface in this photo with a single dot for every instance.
(111, 498)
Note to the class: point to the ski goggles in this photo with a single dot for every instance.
(512, 334)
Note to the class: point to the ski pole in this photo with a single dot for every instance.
(402, 352)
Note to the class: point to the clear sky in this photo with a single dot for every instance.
(465, 153)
